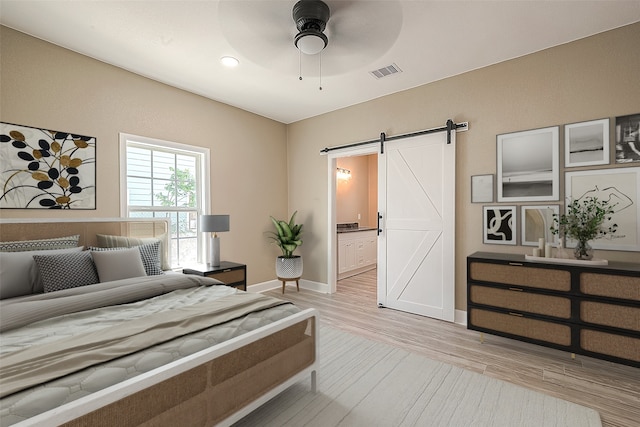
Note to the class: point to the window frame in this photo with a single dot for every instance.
(202, 181)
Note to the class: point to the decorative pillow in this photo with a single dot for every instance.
(40, 245)
(66, 271)
(111, 241)
(148, 254)
(19, 274)
(116, 265)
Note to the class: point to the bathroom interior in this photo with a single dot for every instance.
(356, 214)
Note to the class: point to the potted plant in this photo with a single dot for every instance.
(288, 237)
(584, 221)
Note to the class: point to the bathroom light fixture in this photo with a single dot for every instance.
(229, 61)
(343, 173)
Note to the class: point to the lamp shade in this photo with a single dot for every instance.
(214, 223)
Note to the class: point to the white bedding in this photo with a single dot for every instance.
(27, 403)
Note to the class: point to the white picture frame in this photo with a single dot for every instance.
(621, 187)
(482, 188)
(499, 225)
(536, 222)
(586, 143)
(528, 165)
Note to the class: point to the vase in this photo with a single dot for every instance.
(583, 250)
(289, 268)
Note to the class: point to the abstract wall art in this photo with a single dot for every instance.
(499, 225)
(46, 169)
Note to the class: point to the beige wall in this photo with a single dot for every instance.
(588, 79)
(45, 86)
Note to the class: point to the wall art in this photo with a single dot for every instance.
(46, 169)
(621, 187)
(628, 138)
(528, 167)
(586, 143)
(499, 225)
(536, 222)
(482, 188)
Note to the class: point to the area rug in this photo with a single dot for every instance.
(366, 383)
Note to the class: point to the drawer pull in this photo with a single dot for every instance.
(516, 263)
(515, 314)
(227, 270)
(515, 289)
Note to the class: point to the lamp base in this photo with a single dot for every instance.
(214, 256)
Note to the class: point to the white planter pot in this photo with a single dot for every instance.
(289, 268)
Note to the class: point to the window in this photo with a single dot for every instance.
(162, 179)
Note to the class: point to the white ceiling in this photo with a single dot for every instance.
(180, 43)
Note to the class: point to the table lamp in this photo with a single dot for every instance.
(213, 224)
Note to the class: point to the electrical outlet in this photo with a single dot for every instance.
(359, 217)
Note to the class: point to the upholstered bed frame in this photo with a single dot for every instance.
(216, 386)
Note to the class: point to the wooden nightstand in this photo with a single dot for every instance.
(230, 273)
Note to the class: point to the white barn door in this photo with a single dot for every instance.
(416, 201)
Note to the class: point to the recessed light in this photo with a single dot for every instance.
(229, 61)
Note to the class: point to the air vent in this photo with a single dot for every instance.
(385, 71)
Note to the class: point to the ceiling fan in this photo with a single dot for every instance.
(262, 32)
(311, 18)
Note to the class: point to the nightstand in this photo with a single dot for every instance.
(229, 273)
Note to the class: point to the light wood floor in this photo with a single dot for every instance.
(611, 389)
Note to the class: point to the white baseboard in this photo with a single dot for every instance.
(277, 284)
(460, 317)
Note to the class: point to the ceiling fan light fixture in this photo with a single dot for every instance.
(311, 18)
(310, 42)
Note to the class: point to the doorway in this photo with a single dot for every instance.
(416, 202)
(356, 215)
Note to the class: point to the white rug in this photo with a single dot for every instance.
(365, 383)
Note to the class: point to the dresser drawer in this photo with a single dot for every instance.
(606, 285)
(610, 344)
(618, 316)
(542, 278)
(521, 326)
(516, 299)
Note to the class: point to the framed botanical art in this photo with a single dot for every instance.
(499, 225)
(621, 188)
(628, 138)
(528, 166)
(536, 222)
(482, 188)
(46, 169)
(586, 143)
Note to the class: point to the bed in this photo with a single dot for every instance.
(158, 349)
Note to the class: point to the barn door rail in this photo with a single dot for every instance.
(448, 127)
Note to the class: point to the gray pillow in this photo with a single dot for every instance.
(19, 274)
(66, 271)
(149, 254)
(116, 265)
(112, 241)
(40, 245)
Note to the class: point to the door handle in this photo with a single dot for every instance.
(379, 218)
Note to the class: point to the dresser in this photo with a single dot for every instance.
(589, 310)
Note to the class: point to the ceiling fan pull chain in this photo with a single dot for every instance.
(320, 70)
(300, 64)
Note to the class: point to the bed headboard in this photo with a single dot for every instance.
(87, 228)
